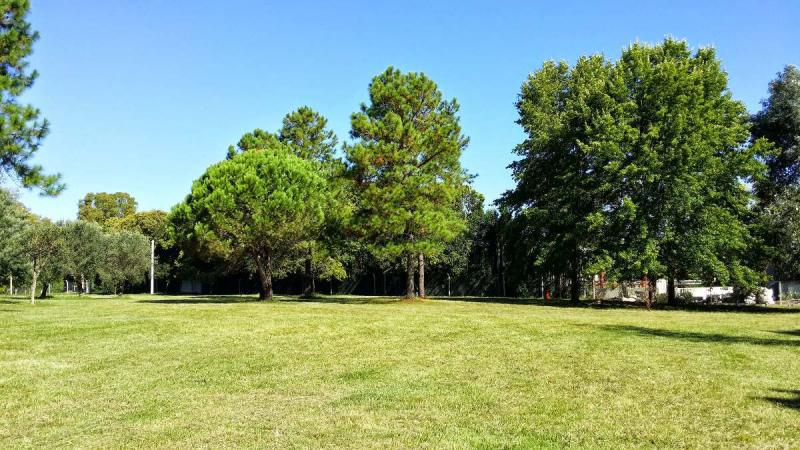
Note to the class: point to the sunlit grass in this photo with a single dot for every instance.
(359, 372)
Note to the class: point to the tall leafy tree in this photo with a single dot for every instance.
(21, 128)
(406, 168)
(779, 123)
(258, 204)
(14, 218)
(101, 207)
(125, 259)
(85, 250)
(681, 159)
(44, 248)
(638, 167)
(561, 192)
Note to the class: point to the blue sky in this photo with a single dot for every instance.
(143, 95)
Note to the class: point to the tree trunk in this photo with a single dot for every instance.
(264, 267)
(671, 300)
(33, 287)
(421, 286)
(45, 288)
(651, 291)
(308, 289)
(10, 284)
(575, 287)
(410, 275)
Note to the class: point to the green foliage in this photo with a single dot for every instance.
(44, 247)
(85, 246)
(779, 123)
(258, 139)
(125, 259)
(14, 218)
(21, 129)
(561, 191)
(406, 167)
(681, 163)
(258, 204)
(454, 259)
(781, 233)
(636, 167)
(305, 132)
(102, 207)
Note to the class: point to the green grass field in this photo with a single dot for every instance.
(146, 371)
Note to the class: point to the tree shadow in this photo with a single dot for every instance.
(692, 336)
(617, 304)
(789, 332)
(223, 299)
(792, 401)
(348, 300)
(201, 299)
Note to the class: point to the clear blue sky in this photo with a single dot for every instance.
(144, 95)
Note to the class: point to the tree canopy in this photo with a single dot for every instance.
(406, 169)
(779, 123)
(259, 204)
(637, 166)
(101, 207)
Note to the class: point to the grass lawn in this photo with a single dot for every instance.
(145, 371)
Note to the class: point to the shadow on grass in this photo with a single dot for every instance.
(791, 401)
(789, 332)
(201, 299)
(383, 300)
(221, 299)
(692, 336)
(616, 304)
(349, 300)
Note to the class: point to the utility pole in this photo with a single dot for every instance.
(152, 266)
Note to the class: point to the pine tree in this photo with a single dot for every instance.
(259, 205)
(407, 171)
(21, 129)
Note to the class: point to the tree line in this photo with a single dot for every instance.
(642, 167)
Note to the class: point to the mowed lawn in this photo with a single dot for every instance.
(145, 371)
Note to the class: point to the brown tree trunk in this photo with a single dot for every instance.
(45, 288)
(421, 269)
(651, 291)
(264, 267)
(671, 300)
(410, 275)
(308, 289)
